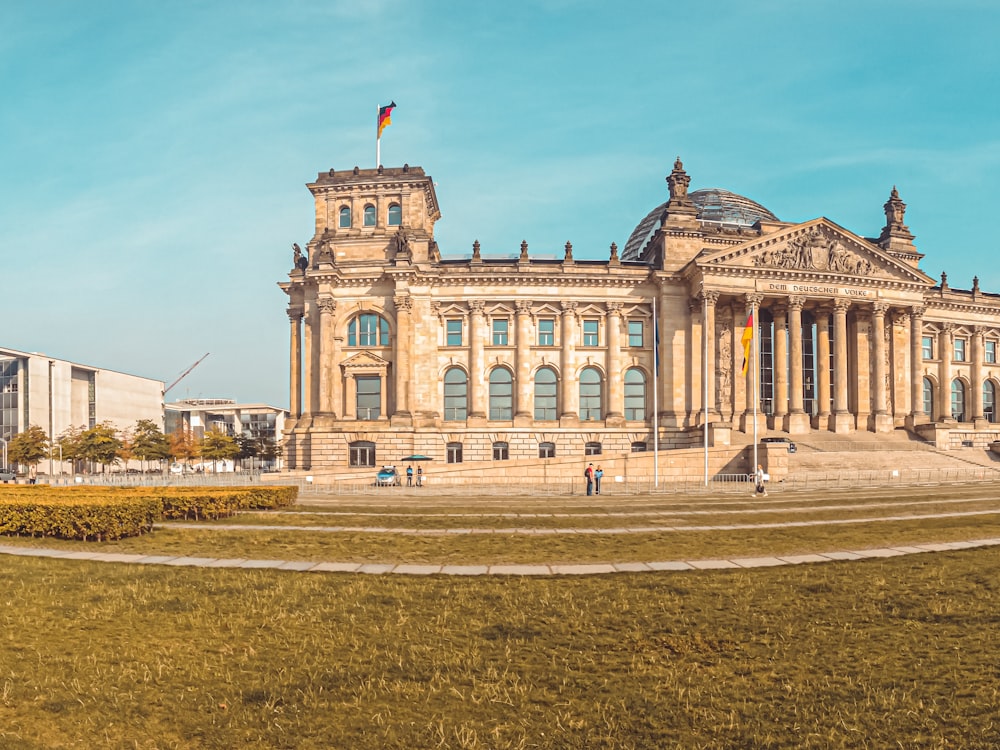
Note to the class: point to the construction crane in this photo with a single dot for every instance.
(185, 374)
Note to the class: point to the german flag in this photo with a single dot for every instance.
(384, 114)
(747, 340)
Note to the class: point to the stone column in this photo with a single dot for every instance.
(753, 368)
(860, 398)
(568, 394)
(917, 414)
(295, 362)
(477, 335)
(977, 377)
(523, 411)
(900, 374)
(881, 420)
(402, 345)
(822, 368)
(327, 357)
(780, 364)
(946, 350)
(797, 421)
(709, 300)
(310, 404)
(841, 420)
(616, 394)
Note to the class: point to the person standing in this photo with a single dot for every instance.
(409, 476)
(589, 474)
(597, 479)
(420, 476)
(758, 478)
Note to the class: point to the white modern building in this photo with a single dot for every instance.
(55, 394)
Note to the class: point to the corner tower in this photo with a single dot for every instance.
(365, 215)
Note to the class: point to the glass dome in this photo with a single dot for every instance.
(715, 206)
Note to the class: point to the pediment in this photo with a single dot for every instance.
(816, 247)
(365, 360)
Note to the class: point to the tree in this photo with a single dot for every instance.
(28, 447)
(100, 444)
(148, 441)
(183, 446)
(70, 443)
(270, 450)
(218, 445)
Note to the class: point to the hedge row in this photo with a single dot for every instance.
(103, 513)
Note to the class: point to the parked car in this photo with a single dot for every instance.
(787, 441)
(8, 475)
(387, 477)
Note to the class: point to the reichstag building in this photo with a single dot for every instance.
(396, 349)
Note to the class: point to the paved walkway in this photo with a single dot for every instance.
(496, 570)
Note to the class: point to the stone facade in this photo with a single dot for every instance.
(397, 350)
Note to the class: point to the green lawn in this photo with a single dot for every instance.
(897, 652)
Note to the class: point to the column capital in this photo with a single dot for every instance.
(477, 307)
(569, 307)
(841, 305)
(436, 308)
(753, 299)
(948, 328)
(523, 307)
(295, 314)
(880, 308)
(708, 295)
(900, 317)
(614, 308)
(796, 303)
(917, 311)
(327, 304)
(979, 330)
(403, 302)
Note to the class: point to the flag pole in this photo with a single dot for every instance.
(756, 381)
(656, 388)
(378, 136)
(704, 373)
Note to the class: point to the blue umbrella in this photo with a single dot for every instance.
(416, 457)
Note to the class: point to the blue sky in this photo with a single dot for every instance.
(153, 155)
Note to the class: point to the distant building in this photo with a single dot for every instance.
(199, 415)
(56, 394)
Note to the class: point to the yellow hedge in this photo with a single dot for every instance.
(98, 513)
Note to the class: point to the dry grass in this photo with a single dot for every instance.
(882, 653)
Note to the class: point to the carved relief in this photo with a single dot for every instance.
(724, 367)
(815, 251)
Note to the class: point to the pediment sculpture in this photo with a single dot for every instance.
(815, 251)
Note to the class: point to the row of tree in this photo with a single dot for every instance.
(102, 445)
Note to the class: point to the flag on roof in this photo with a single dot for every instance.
(384, 114)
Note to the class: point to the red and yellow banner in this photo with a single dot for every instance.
(384, 114)
(747, 341)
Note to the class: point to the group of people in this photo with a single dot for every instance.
(420, 476)
(593, 479)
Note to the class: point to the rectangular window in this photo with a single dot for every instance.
(501, 451)
(590, 329)
(454, 453)
(369, 396)
(959, 350)
(453, 333)
(635, 333)
(500, 326)
(927, 347)
(546, 332)
(362, 454)
(991, 352)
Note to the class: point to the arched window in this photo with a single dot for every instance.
(454, 453)
(456, 394)
(395, 215)
(958, 400)
(345, 217)
(361, 453)
(638, 447)
(546, 450)
(545, 394)
(929, 398)
(501, 394)
(592, 449)
(368, 329)
(590, 393)
(369, 215)
(989, 401)
(635, 394)
(501, 451)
